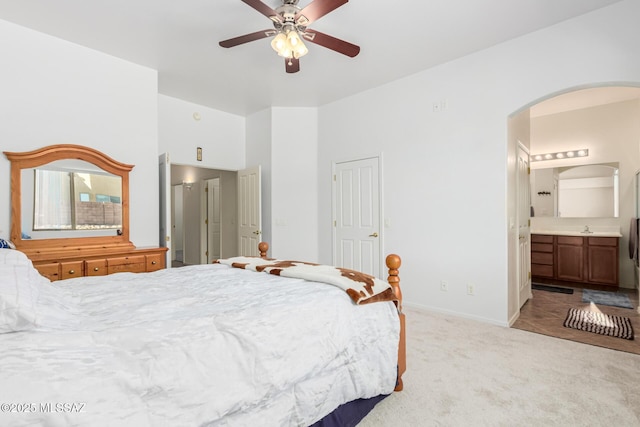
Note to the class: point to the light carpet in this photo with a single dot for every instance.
(462, 372)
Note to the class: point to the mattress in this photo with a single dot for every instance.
(201, 345)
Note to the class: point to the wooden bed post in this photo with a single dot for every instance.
(263, 247)
(393, 264)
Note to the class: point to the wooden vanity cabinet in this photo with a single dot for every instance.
(591, 260)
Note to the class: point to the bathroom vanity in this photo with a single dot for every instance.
(578, 257)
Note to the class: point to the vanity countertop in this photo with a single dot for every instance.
(578, 233)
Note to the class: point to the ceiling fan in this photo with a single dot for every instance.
(291, 28)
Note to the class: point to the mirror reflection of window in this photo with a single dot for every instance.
(52, 204)
(76, 201)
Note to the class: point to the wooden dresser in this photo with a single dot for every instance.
(70, 265)
(59, 257)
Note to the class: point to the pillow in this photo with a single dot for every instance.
(14, 257)
(18, 297)
(28, 300)
(6, 244)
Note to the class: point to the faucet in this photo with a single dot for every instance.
(586, 230)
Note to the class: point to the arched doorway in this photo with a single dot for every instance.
(605, 120)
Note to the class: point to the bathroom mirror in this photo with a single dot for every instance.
(583, 191)
(68, 196)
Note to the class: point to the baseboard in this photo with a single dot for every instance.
(456, 314)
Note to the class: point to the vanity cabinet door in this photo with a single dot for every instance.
(602, 256)
(570, 255)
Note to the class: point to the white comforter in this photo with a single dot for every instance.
(180, 348)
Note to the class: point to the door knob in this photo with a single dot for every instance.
(257, 232)
(373, 235)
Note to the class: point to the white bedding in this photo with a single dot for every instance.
(178, 348)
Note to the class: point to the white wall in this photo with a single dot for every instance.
(447, 173)
(221, 135)
(284, 142)
(56, 92)
(294, 180)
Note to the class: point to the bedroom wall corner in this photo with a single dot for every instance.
(294, 180)
(184, 126)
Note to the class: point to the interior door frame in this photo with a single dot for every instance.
(381, 219)
(164, 202)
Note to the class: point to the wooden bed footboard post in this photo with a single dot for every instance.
(263, 247)
(393, 264)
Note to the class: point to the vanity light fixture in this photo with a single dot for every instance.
(560, 155)
(187, 185)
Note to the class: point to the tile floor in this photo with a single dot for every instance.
(546, 311)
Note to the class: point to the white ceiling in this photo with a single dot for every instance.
(180, 40)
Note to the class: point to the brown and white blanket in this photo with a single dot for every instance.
(361, 287)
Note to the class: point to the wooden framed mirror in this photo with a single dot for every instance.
(79, 165)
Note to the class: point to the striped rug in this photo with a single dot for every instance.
(599, 323)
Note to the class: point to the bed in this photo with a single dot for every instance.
(226, 344)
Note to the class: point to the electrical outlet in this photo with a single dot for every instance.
(444, 286)
(471, 289)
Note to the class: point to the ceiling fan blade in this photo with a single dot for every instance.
(316, 10)
(264, 9)
(247, 38)
(294, 67)
(332, 43)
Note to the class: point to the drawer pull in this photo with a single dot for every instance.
(96, 268)
(72, 272)
(154, 262)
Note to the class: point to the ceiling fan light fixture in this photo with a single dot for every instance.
(279, 42)
(289, 45)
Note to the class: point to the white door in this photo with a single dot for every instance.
(524, 231)
(213, 219)
(249, 211)
(164, 167)
(177, 223)
(357, 204)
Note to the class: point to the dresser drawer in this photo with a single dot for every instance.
(154, 262)
(132, 264)
(51, 271)
(96, 267)
(71, 269)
